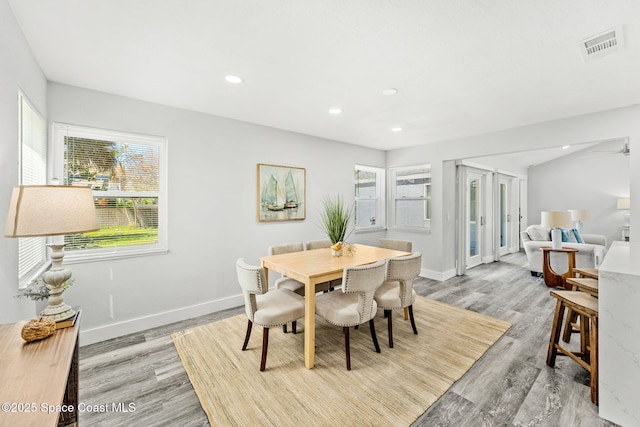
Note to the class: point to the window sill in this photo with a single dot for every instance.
(370, 230)
(107, 254)
(411, 230)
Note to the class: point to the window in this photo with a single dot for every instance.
(411, 194)
(127, 174)
(369, 203)
(32, 251)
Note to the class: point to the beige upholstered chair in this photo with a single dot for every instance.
(267, 309)
(317, 244)
(287, 282)
(355, 304)
(398, 245)
(397, 290)
(320, 244)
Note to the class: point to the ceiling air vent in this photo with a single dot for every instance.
(602, 44)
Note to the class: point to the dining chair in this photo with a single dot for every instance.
(397, 290)
(355, 304)
(267, 309)
(285, 282)
(321, 244)
(398, 245)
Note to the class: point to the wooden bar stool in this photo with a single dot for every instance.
(583, 284)
(586, 272)
(586, 306)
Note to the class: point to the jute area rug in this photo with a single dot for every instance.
(393, 387)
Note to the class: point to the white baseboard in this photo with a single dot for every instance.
(438, 275)
(102, 333)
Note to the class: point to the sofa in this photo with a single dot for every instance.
(590, 255)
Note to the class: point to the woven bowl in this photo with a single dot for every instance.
(38, 329)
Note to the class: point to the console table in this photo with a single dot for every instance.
(39, 378)
(551, 278)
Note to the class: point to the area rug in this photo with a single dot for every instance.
(393, 387)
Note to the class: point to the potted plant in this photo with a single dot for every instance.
(336, 217)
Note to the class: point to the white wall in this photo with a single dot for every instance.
(583, 180)
(18, 71)
(212, 208)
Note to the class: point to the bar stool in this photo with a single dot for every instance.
(586, 306)
(586, 272)
(583, 284)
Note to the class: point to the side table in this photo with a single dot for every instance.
(551, 278)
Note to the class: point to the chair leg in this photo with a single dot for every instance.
(265, 345)
(572, 318)
(556, 328)
(593, 342)
(248, 334)
(388, 315)
(284, 328)
(373, 335)
(294, 324)
(345, 329)
(413, 321)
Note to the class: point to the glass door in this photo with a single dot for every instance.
(474, 218)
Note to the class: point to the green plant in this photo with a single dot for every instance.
(37, 290)
(336, 217)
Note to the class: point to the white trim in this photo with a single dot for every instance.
(114, 330)
(440, 276)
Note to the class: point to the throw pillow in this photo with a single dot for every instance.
(568, 236)
(538, 232)
(578, 236)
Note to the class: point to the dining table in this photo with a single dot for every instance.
(319, 266)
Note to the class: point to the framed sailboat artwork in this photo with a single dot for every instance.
(281, 193)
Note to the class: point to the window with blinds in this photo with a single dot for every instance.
(126, 173)
(411, 193)
(369, 194)
(32, 251)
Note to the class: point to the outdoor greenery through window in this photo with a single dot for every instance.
(411, 190)
(369, 203)
(126, 174)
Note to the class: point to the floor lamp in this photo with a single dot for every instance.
(52, 210)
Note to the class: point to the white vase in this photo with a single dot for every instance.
(336, 253)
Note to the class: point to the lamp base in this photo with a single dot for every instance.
(58, 312)
(556, 238)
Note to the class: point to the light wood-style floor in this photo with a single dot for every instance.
(509, 385)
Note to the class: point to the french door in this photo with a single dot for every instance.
(474, 218)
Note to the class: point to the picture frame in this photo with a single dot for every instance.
(281, 193)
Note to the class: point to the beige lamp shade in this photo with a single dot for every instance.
(579, 214)
(50, 210)
(624, 203)
(556, 219)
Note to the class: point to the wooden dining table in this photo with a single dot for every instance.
(319, 266)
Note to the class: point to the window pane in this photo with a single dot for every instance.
(410, 213)
(411, 183)
(365, 183)
(111, 165)
(366, 213)
(123, 222)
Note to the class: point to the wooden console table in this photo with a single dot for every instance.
(551, 278)
(39, 378)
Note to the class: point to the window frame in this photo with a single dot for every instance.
(38, 244)
(62, 130)
(380, 198)
(426, 198)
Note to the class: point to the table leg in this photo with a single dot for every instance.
(309, 324)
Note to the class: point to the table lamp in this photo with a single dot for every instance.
(577, 216)
(555, 220)
(52, 210)
(625, 203)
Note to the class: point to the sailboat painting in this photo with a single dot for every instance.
(281, 193)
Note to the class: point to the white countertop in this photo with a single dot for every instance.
(622, 257)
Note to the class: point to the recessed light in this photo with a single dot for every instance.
(564, 147)
(335, 110)
(390, 91)
(233, 79)
(396, 129)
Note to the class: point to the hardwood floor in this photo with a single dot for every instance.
(510, 385)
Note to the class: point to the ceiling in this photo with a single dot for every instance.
(461, 67)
